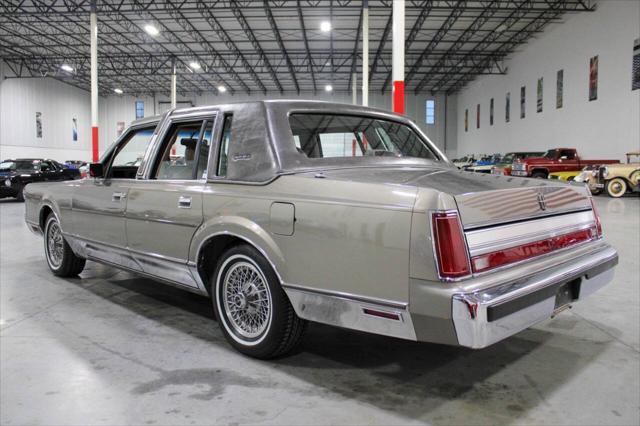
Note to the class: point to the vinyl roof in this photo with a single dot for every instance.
(269, 46)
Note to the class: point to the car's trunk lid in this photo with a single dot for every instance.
(482, 199)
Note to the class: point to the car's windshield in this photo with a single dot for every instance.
(20, 165)
(509, 158)
(331, 136)
(550, 154)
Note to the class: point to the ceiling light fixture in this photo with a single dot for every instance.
(118, 91)
(222, 89)
(67, 68)
(325, 26)
(195, 65)
(328, 88)
(151, 30)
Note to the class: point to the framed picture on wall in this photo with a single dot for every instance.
(478, 116)
(74, 129)
(39, 125)
(593, 78)
(635, 69)
(119, 128)
(523, 93)
(466, 120)
(539, 92)
(559, 88)
(491, 112)
(507, 107)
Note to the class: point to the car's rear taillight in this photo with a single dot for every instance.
(597, 218)
(452, 255)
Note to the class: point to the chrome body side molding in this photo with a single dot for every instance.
(387, 318)
(169, 270)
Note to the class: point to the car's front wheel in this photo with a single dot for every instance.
(61, 259)
(253, 310)
(616, 187)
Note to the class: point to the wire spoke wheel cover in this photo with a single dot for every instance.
(54, 244)
(245, 298)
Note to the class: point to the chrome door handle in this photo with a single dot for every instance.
(118, 196)
(184, 202)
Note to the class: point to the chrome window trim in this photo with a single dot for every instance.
(173, 118)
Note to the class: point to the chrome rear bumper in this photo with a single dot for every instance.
(485, 317)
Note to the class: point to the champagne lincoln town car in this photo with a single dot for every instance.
(288, 211)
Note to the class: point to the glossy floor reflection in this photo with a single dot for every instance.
(111, 348)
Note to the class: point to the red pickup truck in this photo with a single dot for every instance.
(554, 160)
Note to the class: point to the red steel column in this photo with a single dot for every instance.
(94, 82)
(398, 56)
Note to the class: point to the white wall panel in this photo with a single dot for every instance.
(59, 103)
(605, 128)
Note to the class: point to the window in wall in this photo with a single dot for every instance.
(523, 94)
(478, 116)
(430, 108)
(139, 109)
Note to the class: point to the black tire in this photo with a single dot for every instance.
(20, 194)
(65, 263)
(282, 329)
(539, 175)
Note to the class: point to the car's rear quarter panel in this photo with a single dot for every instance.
(348, 237)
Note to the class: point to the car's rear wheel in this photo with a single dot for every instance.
(253, 310)
(61, 259)
(616, 187)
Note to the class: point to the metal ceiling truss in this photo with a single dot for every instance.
(268, 46)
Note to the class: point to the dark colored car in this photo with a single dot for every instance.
(15, 174)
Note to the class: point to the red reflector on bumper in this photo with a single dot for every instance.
(487, 261)
(381, 314)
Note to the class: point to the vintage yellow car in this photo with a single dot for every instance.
(615, 179)
(565, 176)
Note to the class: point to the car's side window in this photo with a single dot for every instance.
(179, 150)
(224, 145)
(46, 166)
(129, 154)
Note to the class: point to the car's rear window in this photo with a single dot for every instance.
(332, 135)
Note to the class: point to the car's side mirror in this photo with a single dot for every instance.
(96, 170)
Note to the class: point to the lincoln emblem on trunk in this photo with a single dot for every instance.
(541, 201)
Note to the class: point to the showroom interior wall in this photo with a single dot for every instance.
(604, 128)
(59, 103)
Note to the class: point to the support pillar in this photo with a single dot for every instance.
(398, 56)
(174, 78)
(365, 53)
(94, 81)
(354, 89)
